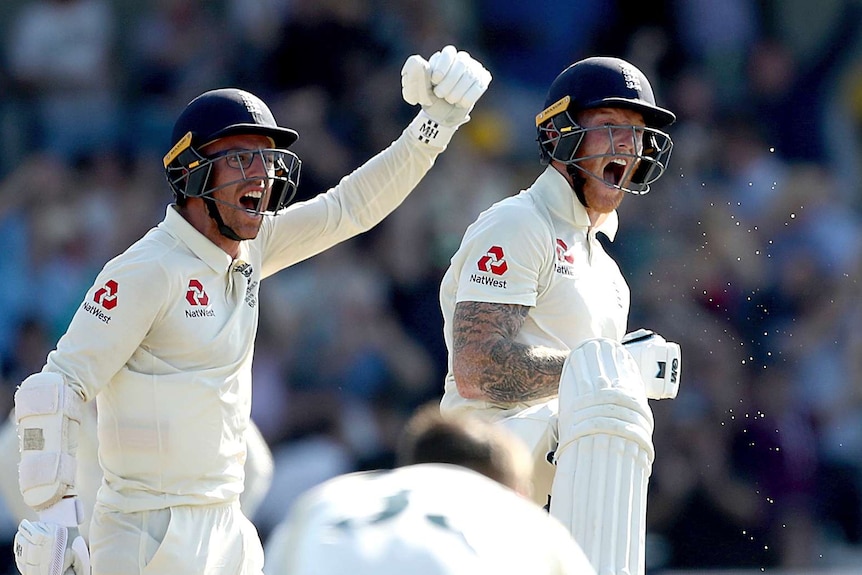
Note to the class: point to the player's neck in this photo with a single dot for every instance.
(202, 222)
(596, 218)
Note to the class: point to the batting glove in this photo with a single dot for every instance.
(53, 545)
(659, 362)
(447, 86)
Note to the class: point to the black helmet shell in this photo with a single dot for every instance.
(217, 114)
(604, 82)
(227, 111)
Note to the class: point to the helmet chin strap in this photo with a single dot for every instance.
(578, 182)
(223, 228)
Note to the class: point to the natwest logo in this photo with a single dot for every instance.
(493, 261)
(563, 254)
(195, 294)
(106, 296)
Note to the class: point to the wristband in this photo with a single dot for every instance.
(428, 131)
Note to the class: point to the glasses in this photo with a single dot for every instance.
(243, 159)
(282, 169)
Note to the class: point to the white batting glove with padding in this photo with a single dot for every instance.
(53, 545)
(659, 361)
(447, 86)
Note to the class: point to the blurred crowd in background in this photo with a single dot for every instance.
(748, 252)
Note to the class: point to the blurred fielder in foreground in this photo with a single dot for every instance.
(535, 313)
(450, 508)
(467, 441)
(164, 339)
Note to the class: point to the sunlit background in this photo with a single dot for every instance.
(747, 252)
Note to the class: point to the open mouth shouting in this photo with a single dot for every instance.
(615, 171)
(251, 201)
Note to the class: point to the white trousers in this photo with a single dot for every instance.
(183, 540)
(537, 428)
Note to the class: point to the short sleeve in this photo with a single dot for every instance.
(502, 256)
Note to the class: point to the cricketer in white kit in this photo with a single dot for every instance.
(423, 519)
(163, 341)
(535, 313)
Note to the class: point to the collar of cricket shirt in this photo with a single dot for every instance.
(563, 203)
(203, 248)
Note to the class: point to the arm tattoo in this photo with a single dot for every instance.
(503, 370)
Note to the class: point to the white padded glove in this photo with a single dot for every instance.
(447, 86)
(659, 361)
(53, 545)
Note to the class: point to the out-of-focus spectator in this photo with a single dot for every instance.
(530, 42)
(695, 478)
(31, 344)
(788, 94)
(175, 50)
(752, 175)
(31, 195)
(779, 455)
(332, 45)
(60, 60)
(717, 36)
(254, 27)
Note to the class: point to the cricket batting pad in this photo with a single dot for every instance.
(605, 456)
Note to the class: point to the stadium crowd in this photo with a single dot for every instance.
(748, 252)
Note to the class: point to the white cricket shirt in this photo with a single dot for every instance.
(425, 519)
(164, 338)
(537, 249)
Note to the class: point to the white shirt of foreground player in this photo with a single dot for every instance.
(538, 249)
(428, 519)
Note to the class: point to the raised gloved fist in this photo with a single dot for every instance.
(52, 548)
(447, 86)
(659, 362)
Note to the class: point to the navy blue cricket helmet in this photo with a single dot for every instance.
(217, 114)
(603, 82)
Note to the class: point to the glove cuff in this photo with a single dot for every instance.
(67, 512)
(428, 131)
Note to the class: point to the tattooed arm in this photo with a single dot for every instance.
(489, 364)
